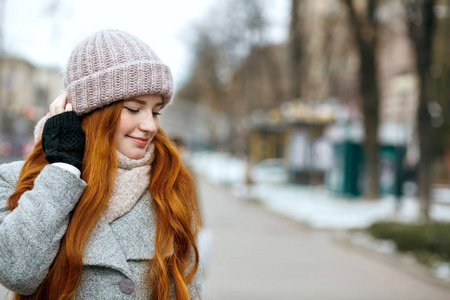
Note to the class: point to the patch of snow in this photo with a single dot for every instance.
(314, 206)
(219, 166)
(442, 270)
(365, 240)
(441, 194)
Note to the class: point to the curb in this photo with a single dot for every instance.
(396, 259)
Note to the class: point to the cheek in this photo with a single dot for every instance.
(124, 126)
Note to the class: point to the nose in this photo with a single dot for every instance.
(149, 123)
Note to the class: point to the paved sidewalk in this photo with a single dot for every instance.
(256, 255)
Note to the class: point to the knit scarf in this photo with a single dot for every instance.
(132, 180)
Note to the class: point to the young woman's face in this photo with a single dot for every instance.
(137, 125)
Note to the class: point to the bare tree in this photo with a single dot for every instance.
(422, 26)
(232, 30)
(441, 74)
(365, 29)
(295, 49)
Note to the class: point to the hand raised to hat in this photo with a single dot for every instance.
(63, 139)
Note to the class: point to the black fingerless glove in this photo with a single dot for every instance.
(63, 139)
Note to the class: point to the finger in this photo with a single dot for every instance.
(58, 105)
(68, 107)
(52, 107)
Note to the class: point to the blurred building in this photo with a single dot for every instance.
(329, 63)
(295, 133)
(320, 136)
(26, 91)
(330, 60)
(202, 127)
(397, 77)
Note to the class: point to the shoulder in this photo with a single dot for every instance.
(9, 172)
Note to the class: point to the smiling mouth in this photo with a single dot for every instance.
(139, 141)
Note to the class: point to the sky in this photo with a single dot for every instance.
(47, 39)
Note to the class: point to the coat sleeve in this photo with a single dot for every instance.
(195, 285)
(30, 234)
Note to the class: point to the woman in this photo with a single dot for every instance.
(103, 208)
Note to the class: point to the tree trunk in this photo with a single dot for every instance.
(370, 105)
(295, 49)
(366, 35)
(426, 134)
(421, 24)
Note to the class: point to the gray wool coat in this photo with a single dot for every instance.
(114, 254)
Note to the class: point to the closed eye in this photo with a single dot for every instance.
(132, 110)
(156, 113)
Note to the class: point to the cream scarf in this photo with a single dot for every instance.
(132, 180)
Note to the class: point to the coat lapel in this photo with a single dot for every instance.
(135, 231)
(103, 250)
(130, 237)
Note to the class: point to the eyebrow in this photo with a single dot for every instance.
(144, 102)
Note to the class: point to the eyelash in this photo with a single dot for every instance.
(134, 111)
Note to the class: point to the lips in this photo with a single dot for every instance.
(139, 141)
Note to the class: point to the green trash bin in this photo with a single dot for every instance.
(346, 176)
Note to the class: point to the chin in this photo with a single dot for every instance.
(134, 153)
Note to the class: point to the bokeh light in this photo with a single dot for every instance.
(6, 149)
(29, 112)
(27, 149)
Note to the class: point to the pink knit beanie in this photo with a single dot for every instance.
(111, 65)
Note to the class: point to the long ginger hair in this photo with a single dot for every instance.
(173, 192)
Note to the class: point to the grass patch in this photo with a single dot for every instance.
(429, 242)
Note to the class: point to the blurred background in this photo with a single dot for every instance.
(333, 114)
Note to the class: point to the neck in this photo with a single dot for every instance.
(127, 163)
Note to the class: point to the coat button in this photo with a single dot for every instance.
(126, 286)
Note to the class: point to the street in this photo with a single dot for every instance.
(257, 255)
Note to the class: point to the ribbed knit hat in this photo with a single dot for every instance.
(111, 65)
